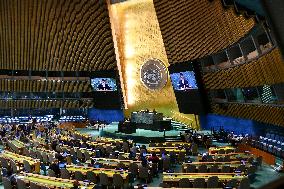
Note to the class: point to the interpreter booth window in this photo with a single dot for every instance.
(22, 95)
(264, 42)
(248, 48)
(59, 95)
(251, 95)
(38, 95)
(218, 96)
(235, 55)
(6, 95)
(235, 95)
(279, 91)
(267, 93)
(207, 64)
(221, 60)
(71, 95)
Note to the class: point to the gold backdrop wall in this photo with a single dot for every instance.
(138, 38)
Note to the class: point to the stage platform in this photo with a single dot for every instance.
(145, 136)
(141, 135)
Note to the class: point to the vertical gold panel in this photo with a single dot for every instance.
(55, 35)
(138, 39)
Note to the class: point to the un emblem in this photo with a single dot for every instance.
(154, 74)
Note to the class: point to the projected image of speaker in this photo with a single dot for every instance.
(186, 82)
(103, 84)
(106, 90)
(183, 81)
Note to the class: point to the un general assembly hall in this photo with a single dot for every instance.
(141, 94)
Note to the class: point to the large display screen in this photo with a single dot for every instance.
(104, 84)
(106, 90)
(183, 81)
(187, 83)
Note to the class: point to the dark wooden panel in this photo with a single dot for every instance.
(194, 28)
(66, 35)
(44, 86)
(46, 104)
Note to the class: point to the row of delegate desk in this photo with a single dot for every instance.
(98, 140)
(35, 163)
(232, 164)
(222, 149)
(97, 171)
(57, 182)
(104, 161)
(92, 154)
(65, 148)
(231, 156)
(223, 177)
(170, 144)
(114, 162)
(159, 150)
(16, 145)
(19, 159)
(237, 159)
(50, 182)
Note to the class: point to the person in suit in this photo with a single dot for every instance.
(183, 83)
(76, 185)
(154, 158)
(103, 86)
(55, 167)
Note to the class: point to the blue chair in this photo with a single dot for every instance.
(278, 152)
(274, 150)
(270, 148)
(258, 144)
(253, 142)
(264, 146)
(278, 144)
(265, 140)
(282, 145)
(272, 136)
(269, 141)
(98, 153)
